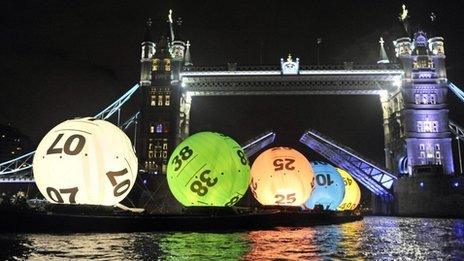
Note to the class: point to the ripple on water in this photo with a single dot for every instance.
(379, 238)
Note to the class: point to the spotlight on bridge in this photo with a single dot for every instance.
(397, 81)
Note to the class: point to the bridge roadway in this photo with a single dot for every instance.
(268, 80)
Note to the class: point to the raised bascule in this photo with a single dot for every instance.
(412, 94)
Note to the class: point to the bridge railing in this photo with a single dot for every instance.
(302, 67)
(373, 177)
(19, 164)
(254, 145)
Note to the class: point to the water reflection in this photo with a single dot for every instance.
(412, 239)
(284, 243)
(378, 238)
(197, 246)
(80, 246)
(348, 243)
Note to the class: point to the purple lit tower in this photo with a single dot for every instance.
(417, 136)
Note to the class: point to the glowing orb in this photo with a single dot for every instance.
(352, 192)
(85, 161)
(281, 176)
(330, 189)
(208, 169)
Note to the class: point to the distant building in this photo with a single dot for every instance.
(13, 143)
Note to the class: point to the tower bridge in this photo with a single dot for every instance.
(412, 95)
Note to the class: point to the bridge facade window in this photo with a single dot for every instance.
(152, 96)
(423, 159)
(423, 63)
(167, 65)
(159, 128)
(433, 98)
(427, 126)
(155, 64)
(151, 152)
(430, 154)
(425, 98)
(167, 99)
(153, 100)
(438, 157)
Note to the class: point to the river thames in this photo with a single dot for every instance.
(374, 238)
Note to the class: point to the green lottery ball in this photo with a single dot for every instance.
(208, 169)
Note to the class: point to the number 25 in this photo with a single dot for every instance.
(279, 164)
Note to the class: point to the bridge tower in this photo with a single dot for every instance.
(165, 107)
(417, 136)
(156, 123)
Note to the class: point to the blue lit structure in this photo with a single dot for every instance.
(373, 177)
(416, 114)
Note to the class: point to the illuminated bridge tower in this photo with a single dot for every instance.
(417, 136)
(155, 118)
(162, 115)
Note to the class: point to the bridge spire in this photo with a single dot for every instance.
(404, 18)
(383, 58)
(188, 58)
(171, 28)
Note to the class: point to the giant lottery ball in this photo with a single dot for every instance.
(352, 192)
(330, 188)
(85, 161)
(208, 169)
(281, 176)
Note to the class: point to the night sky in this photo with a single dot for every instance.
(64, 59)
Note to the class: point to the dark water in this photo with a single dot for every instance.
(374, 238)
